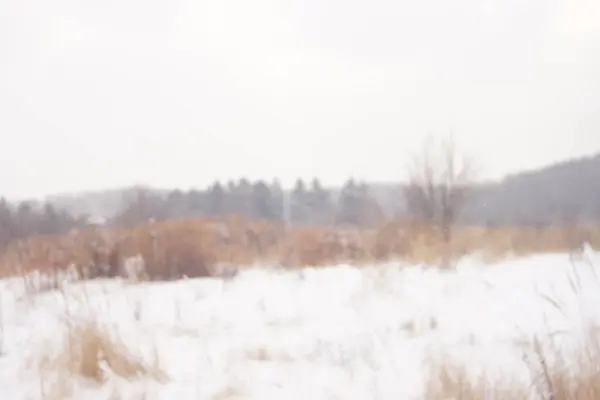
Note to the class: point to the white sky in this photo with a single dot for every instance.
(177, 93)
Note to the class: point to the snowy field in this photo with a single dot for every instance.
(330, 333)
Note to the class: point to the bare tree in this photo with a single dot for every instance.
(438, 186)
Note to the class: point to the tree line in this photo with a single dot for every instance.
(307, 203)
(435, 194)
(24, 220)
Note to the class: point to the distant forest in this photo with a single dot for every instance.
(563, 193)
(308, 204)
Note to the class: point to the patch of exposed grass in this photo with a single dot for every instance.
(92, 353)
(447, 381)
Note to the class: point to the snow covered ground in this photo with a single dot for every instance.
(329, 333)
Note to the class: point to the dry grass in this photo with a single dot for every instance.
(577, 378)
(95, 353)
(82, 348)
(92, 353)
(555, 374)
(449, 381)
(194, 247)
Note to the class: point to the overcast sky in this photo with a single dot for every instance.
(178, 93)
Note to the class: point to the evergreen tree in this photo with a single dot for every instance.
(356, 206)
(349, 204)
(263, 203)
(240, 198)
(7, 226)
(319, 204)
(50, 221)
(277, 195)
(25, 220)
(216, 200)
(299, 204)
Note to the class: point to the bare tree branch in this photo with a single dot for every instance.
(438, 186)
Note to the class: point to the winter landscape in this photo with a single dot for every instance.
(521, 328)
(299, 199)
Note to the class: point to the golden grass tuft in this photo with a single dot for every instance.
(576, 377)
(92, 353)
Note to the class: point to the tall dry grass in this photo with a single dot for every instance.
(82, 350)
(556, 372)
(94, 352)
(91, 354)
(195, 247)
(573, 377)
